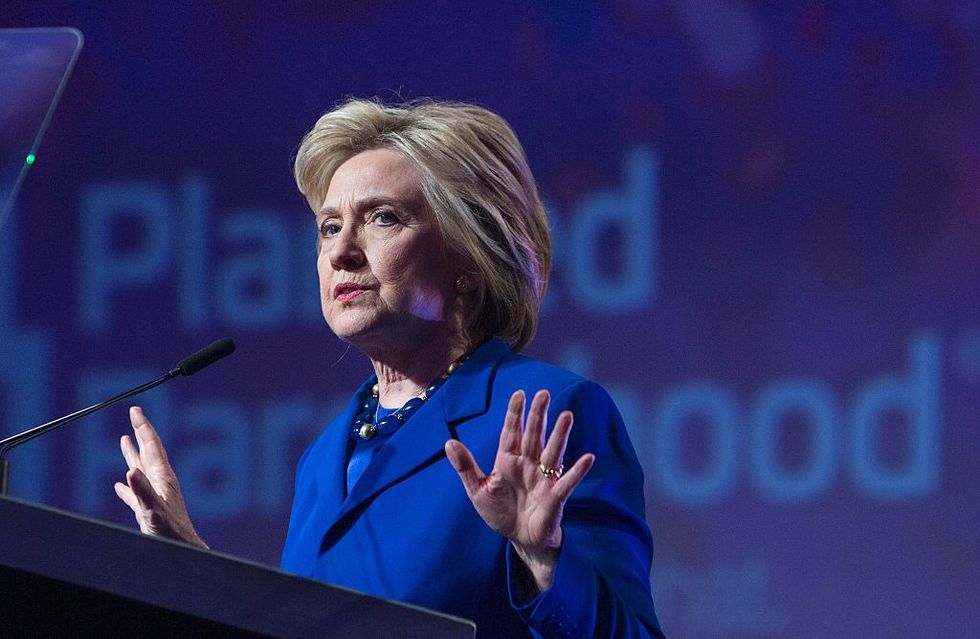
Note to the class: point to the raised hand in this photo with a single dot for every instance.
(151, 489)
(523, 496)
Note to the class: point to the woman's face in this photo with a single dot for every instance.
(385, 273)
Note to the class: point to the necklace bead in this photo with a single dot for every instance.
(367, 431)
(364, 427)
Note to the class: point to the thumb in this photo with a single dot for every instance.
(464, 464)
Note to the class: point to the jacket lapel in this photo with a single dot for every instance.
(421, 440)
(331, 474)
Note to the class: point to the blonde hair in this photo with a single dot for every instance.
(478, 184)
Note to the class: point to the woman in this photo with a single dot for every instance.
(433, 257)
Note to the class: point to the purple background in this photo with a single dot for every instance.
(767, 222)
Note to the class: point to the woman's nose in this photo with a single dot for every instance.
(345, 251)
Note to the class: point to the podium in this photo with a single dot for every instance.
(66, 575)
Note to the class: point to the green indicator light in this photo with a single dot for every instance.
(30, 158)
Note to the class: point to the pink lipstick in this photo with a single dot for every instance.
(346, 291)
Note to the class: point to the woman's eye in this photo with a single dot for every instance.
(328, 228)
(385, 218)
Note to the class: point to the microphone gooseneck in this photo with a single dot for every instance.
(187, 366)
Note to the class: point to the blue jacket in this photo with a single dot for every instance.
(408, 532)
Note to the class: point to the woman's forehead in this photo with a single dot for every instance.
(377, 173)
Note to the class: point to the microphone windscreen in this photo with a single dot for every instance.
(206, 356)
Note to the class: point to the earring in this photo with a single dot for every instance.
(462, 284)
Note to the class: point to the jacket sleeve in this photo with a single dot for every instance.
(304, 496)
(601, 584)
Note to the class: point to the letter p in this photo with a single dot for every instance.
(126, 235)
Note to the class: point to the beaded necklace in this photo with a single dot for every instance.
(364, 427)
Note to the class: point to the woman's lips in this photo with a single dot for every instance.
(346, 297)
(347, 291)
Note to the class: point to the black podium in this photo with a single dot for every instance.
(65, 575)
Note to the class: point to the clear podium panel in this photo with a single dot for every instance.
(34, 66)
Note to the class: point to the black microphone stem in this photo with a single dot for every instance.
(187, 366)
(16, 440)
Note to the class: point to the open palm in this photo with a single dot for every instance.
(521, 498)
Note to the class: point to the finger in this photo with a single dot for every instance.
(151, 448)
(146, 497)
(571, 479)
(129, 452)
(127, 496)
(537, 416)
(554, 451)
(464, 464)
(510, 433)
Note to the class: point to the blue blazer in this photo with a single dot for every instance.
(407, 530)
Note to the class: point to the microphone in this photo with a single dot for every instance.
(206, 356)
(187, 366)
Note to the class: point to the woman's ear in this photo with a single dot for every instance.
(467, 283)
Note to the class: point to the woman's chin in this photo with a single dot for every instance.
(349, 332)
(355, 327)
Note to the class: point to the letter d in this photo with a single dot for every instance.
(635, 211)
(918, 397)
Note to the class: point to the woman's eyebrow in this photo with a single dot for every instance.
(368, 203)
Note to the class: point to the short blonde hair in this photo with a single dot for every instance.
(478, 184)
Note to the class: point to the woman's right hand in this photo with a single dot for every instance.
(151, 489)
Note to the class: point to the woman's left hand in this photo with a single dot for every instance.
(523, 496)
